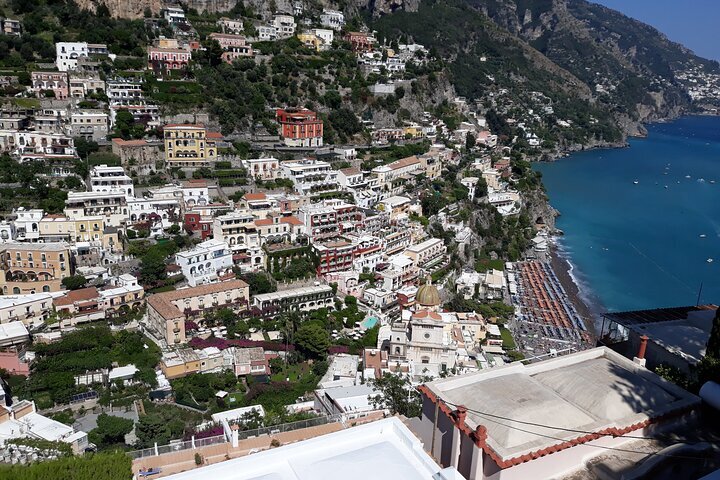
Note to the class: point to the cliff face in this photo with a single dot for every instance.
(631, 61)
(384, 7)
(136, 8)
(123, 8)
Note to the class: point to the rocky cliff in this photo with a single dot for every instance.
(123, 8)
(628, 64)
(384, 7)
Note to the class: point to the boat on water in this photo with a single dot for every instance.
(702, 235)
(709, 260)
(687, 176)
(635, 182)
(666, 186)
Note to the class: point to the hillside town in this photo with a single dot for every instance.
(235, 297)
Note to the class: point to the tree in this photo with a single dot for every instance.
(470, 141)
(174, 229)
(152, 428)
(110, 430)
(213, 52)
(396, 394)
(104, 466)
(152, 267)
(313, 340)
(259, 282)
(481, 188)
(85, 147)
(74, 282)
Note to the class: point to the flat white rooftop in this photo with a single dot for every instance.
(587, 391)
(384, 449)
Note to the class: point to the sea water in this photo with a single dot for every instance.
(646, 244)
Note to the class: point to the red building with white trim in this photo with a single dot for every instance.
(166, 59)
(300, 127)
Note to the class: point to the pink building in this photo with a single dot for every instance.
(234, 46)
(250, 361)
(57, 82)
(165, 59)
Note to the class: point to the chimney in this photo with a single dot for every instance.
(640, 358)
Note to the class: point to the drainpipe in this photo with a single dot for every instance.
(640, 358)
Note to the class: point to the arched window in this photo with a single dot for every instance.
(16, 290)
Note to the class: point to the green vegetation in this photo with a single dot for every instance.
(198, 390)
(33, 190)
(74, 282)
(45, 22)
(110, 431)
(487, 58)
(397, 394)
(162, 423)
(101, 466)
(508, 342)
(87, 349)
(312, 340)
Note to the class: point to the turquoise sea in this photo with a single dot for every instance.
(637, 246)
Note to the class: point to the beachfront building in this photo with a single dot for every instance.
(188, 146)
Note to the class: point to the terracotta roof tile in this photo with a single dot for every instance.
(79, 295)
(163, 302)
(254, 196)
(291, 220)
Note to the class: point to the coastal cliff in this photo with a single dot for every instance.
(131, 9)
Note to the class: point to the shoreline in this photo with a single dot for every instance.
(563, 268)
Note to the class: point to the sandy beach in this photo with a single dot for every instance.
(562, 269)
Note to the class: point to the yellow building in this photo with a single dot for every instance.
(178, 363)
(310, 40)
(413, 131)
(59, 228)
(188, 146)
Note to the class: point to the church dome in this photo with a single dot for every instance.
(428, 296)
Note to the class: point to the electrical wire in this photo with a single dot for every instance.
(489, 417)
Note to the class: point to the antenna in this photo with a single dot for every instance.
(699, 293)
